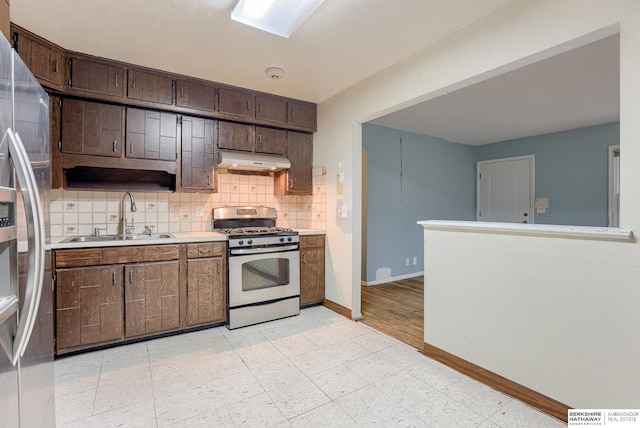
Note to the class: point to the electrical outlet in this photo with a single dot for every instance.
(344, 211)
(406, 261)
(198, 211)
(177, 212)
(415, 260)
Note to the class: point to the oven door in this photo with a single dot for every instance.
(263, 277)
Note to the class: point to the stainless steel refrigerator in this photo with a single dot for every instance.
(26, 301)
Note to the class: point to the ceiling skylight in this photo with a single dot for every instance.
(280, 17)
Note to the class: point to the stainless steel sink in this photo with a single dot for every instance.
(128, 237)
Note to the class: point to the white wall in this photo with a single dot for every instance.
(520, 33)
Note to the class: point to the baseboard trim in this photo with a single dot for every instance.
(392, 278)
(345, 312)
(541, 402)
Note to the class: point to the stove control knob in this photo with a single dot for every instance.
(240, 242)
(281, 239)
(289, 239)
(249, 242)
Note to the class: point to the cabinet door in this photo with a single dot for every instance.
(152, 300)
(272, 109)
(45, 61)
(198, 153)
(235, 136)
(297, 180)
(98, 77)
(205, 290)
(302, 114)
(311, 274)
(195, 95)
(91, 128)
(89, 305)
(270, 140)
(151, 135)
(235, 102)
(146, 86)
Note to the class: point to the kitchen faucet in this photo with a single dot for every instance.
(124, 229)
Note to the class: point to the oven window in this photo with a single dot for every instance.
(265, 273)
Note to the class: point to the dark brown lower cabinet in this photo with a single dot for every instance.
(88, 305)
(206, 283)
(311, 269)
(152, 299)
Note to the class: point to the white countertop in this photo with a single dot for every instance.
(549, 230)
(178, 238)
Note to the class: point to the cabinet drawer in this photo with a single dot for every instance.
(205, 249)
(76, 258)
(309, 241)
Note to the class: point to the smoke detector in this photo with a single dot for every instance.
(275, 73)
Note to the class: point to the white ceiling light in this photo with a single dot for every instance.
(280, 17)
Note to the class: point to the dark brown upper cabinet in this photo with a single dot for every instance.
(302, 114)
(297, 180)
(91, 128)
(233, 102)
(235, 136)
(271, 109)
(271, 140)
(151, 135)
(195, 95)
(97, 77)
(150, 87)
(198, 149)
(45, 60)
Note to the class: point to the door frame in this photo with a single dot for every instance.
(532, 182)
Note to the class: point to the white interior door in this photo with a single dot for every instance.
(505, 190)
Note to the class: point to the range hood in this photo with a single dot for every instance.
(257, 162)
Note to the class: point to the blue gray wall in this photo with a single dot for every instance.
(439, 182)
(571, 170)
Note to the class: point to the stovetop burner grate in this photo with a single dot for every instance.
(254, 230)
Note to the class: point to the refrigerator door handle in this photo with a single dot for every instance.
(35, 240)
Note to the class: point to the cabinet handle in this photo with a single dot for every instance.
(131, 276)
(113, 277)
(218, 264)
(249, 138)
(293, 113)
(248, 104)
(131, 148)
(133, 83)
(115, 145)
(260, 106)
(304, 259)
(181, 92)
(291, 183)
(116, 80)
(259, 138)
(55, 65)
(208, 180)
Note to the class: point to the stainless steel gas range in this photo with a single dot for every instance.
(264, 265)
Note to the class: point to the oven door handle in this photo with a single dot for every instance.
(241, 251)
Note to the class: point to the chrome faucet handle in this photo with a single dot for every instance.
(96, 230)
(148, 230)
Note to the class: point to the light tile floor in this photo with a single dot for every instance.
(318, 369)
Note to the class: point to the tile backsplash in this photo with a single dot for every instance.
(80, 212)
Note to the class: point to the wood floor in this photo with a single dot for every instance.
(396, 308)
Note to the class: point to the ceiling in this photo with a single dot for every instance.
(341, 44)
(575, 89)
